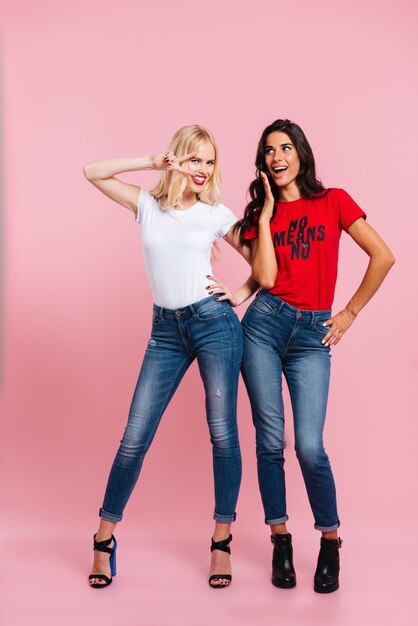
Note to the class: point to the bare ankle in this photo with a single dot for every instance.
(221, 532)
(279, 529)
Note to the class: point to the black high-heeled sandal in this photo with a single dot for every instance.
(224, 547)
(103, 546)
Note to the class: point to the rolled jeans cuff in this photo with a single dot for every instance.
(109, 517)
(327, 529)
(224, 519)
(276, 521)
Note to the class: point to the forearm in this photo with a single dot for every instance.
(264, 263)
(376, 272)
(381, 260)
(101, 170)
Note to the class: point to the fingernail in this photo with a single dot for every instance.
(323, 341)
(207, 275)
(217, 299)
(210, 293)
(324, 324)
(327, 344)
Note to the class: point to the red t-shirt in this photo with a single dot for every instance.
(306, 236)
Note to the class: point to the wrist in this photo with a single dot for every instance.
(138, 164)
(265, 219)
(350, 308)
(237, 297)
(151, 162)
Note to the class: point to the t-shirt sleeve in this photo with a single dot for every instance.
(252, 231)
(226, 220)
(348, 210)
(145, 203)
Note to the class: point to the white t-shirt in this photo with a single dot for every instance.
(177, 245)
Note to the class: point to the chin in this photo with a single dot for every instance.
(196, 189)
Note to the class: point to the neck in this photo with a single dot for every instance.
(290, 193)
(188, 199)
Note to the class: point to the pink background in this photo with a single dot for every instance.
(86, 80)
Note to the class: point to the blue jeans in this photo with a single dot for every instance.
(279, 338)
(209, 331)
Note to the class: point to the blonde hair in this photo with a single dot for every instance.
(170, 187)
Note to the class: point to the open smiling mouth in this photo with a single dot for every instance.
(280, 171)
(199, 180)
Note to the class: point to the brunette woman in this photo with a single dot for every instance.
(293, 224)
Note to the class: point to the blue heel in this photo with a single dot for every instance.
(103, 546)
(113, 558)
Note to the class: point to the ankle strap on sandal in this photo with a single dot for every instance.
(222, 545)
(103, 546)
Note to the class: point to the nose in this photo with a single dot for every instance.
(278, 157)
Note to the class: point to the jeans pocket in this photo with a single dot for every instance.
(264, 306)
(318, 332)
(318, 324)
(320, 329)
(211, 310)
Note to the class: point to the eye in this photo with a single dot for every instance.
(268, 150)
(195, 160)
(211, 162)
(287, 148)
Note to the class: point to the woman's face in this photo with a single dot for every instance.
(281, 159)
(202, 166)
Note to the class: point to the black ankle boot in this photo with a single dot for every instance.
(283, 575)
(328, 568)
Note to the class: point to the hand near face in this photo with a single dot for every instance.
(267, 210)
(170, 162)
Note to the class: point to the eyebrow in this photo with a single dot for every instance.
(287, 143)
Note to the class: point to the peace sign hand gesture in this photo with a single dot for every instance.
(170, 162)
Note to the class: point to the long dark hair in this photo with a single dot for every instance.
(308, 183)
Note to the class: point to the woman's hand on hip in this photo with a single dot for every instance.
(218, 287)
(338, 325)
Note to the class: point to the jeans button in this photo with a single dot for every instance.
(178, 313)
(298, 314)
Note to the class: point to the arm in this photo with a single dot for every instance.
(248, 288)
(264, 261)
(102, 174)
(232, 237)
(381, 260)
(235, 297)
(262, 256)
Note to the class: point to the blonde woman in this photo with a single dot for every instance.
(180, 218)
